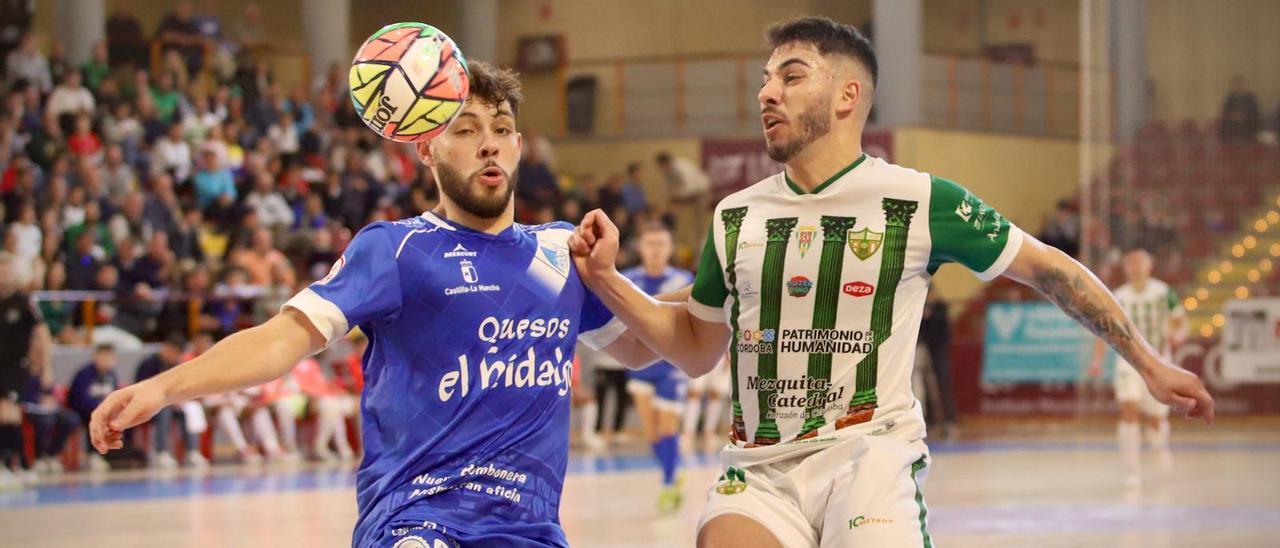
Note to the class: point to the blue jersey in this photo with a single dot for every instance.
(671, 279)
(467, 373)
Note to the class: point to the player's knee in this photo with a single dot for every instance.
(735, 531)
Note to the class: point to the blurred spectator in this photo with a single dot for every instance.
(249, 30)
(53, 423)
(172, 154)
(538, 186)
(609, 195)
(70, 97)
(166, 97)
(92, 383)
(83, 143)
(1063, 230)
(179, 31)
(1240, 115)
(633, 197)
(158, 454)
(26, 232)
(935, 334)
(125, 42)
(213, 183)
(27, 63)
(272, 209)
(690, 190)
(96, 69)
(260, 258)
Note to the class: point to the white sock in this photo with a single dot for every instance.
(1158, 437)
(590, 414)
(1129, 438)
(711, 417)
(324, 424)
(227, 420)
(288, 426)
(691, 409)
(265, 431)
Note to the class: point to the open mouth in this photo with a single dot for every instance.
(771, 121)
(491, 176)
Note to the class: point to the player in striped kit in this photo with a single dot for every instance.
(828, 440)
(1158, 314)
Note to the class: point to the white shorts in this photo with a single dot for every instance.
(1131, 388)
(666, 395)
(860, 491)
(716, 381)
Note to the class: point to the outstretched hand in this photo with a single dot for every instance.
(594, 246)
(122, 410)
(1181, 390)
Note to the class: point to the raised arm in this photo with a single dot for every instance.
(246, 358)
(1083, 297)
(692, 344)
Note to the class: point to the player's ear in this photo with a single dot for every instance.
(520, 141)
(425, 154)
(850, 94)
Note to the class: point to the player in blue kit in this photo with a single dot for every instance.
(659, 389)
(471, 321)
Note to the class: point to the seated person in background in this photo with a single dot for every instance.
(90, 386)
(53, 423)
(158, 454)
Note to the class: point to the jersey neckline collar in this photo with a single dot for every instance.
(830, 181)
(507, 234)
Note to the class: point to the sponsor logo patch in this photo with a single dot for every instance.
(799, 286)
(858, 289)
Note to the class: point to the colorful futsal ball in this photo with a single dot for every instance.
(408, 81)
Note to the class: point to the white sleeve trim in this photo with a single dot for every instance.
(604, 335)
(1006, 257)
(324, 315)
(704, 312)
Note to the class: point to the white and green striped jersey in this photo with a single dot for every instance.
(824, 292)
(1151, 309)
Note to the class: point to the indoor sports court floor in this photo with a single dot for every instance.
(1024, 483)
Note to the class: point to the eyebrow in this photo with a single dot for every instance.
(500, 113)
(787, 63)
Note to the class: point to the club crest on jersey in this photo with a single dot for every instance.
(333, 270)
(799, 286)
(557, 257)
(468, 272)
(804, 238)
(865, 243)
(858, 289)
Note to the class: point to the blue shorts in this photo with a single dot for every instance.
(428, 534)
(666, 384)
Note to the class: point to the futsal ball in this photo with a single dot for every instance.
(408, 81)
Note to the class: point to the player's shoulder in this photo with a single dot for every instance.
(676, 273)
(764, 187)
(551, 227)
(392, 234)
(633, 273)
(554, 233)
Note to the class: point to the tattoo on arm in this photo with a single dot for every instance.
(1073, 295)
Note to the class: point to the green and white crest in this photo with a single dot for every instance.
(732, 482)
(865, 243)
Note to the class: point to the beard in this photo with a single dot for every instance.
(468, 195)
(813, 123)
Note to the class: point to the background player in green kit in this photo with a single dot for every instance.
(815, 279)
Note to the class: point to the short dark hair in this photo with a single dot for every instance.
(102, 348)
(653, 225)
(494, 85)
(830, 37)
(1133, 247)
(663, 157)
(632, 168)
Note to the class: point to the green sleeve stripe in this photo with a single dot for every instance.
(708, 286)
(963, 229)
(1173, 299)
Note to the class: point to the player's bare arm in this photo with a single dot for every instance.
(1082, 296)
(246, 358)
(693, 345)
(629, 350)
